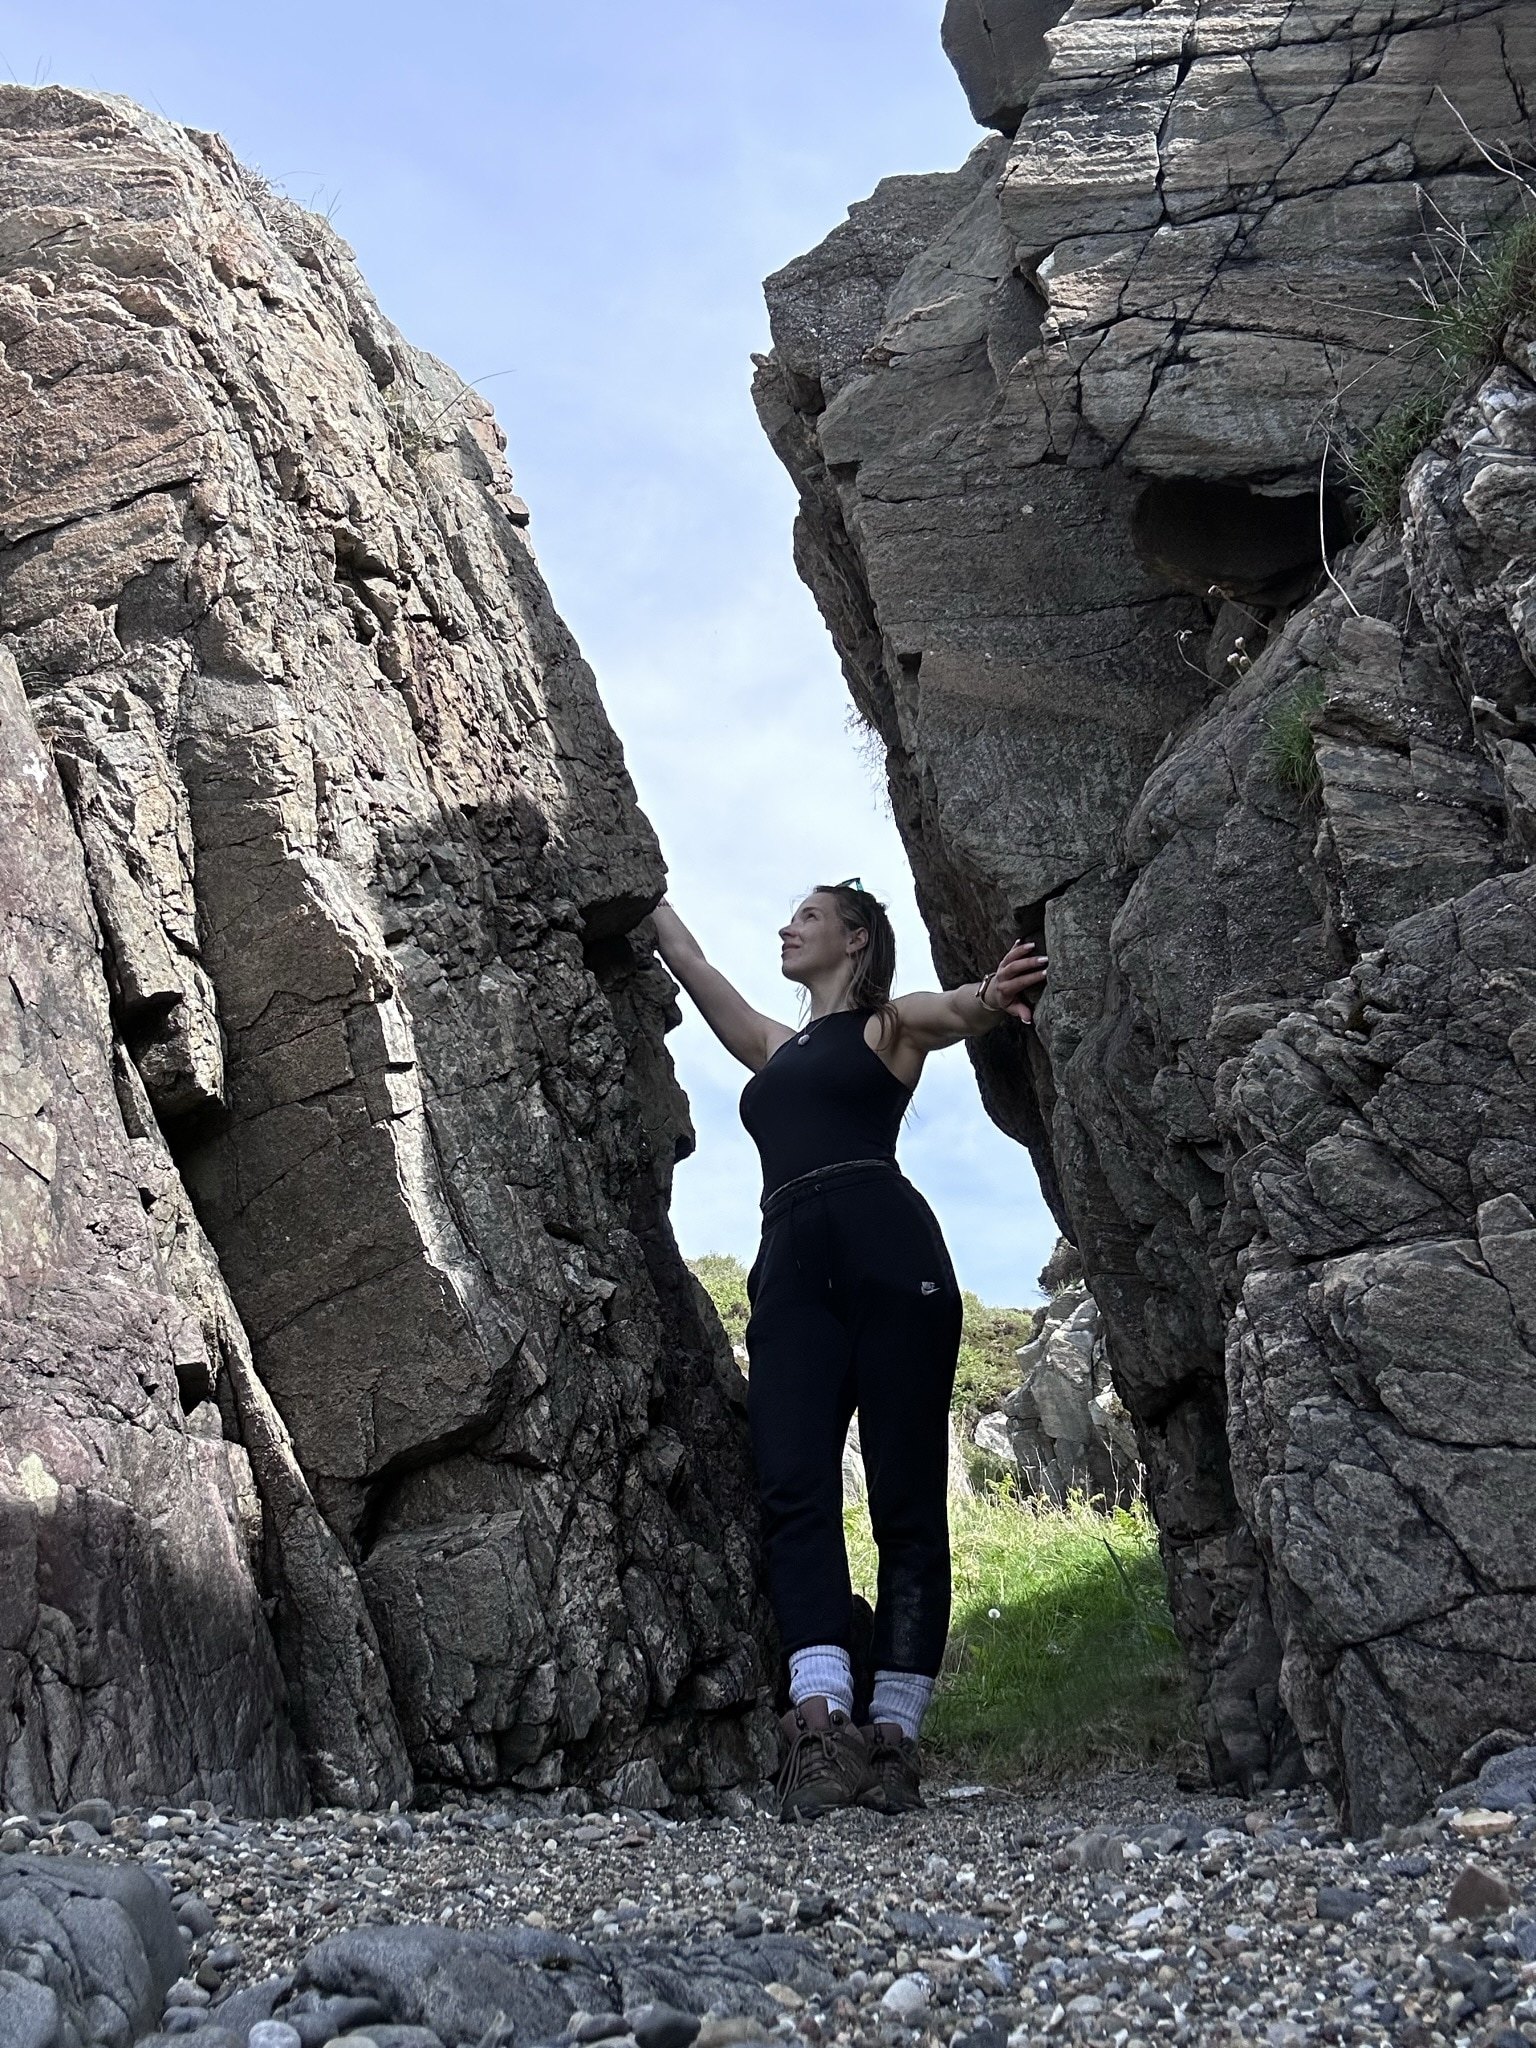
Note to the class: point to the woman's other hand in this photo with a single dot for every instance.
(1015, 983)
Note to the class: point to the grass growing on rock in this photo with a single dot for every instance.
(1062, 1655)
(1468, 306)
(1381, 463)
(988, 1367)
(1494, 285)
(724, 1279)
(1290, 747)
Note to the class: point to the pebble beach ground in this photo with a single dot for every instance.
(1119, 1910)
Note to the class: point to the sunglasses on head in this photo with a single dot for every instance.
(853, 882)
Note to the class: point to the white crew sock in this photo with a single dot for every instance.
(822, 1672)
(902, 1697)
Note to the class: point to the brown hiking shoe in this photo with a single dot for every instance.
(892, 1772)
(824, 1764)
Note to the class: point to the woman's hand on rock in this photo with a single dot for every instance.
(1016, 981)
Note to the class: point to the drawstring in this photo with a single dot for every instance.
(818, 1177)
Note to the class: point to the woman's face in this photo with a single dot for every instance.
(815, 940)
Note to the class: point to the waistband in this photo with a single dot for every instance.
(818, 1178)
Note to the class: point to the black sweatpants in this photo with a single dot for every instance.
(855, 1306)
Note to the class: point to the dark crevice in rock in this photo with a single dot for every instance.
(1250, 546)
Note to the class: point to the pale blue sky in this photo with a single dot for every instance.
(577, 205)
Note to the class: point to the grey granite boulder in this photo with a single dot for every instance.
(1067, 1428)
(1507, 1783)
(87, 1952)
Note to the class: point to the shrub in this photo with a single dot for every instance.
(989, 1339)
(1290, 746)
(724, 1280)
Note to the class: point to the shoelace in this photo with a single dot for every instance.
(798, 1764)
(886, 1756)
(812, 1755)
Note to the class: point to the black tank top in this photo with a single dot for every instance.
(825, 1096)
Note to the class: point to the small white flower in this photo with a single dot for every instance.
(994, 1614)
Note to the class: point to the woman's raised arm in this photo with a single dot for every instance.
(930, 1021)
(744, 1032)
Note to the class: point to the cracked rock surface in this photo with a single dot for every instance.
(357, 1402)
(133, 1650)
(1059, 464)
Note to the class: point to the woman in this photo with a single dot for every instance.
(855, 1308)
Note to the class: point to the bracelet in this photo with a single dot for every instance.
(981, 989)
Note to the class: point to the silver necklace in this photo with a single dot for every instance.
(805, 1034)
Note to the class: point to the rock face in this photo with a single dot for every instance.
(339, 1124)
(1064, 462)
(1377, 1243)
(1064, 1429)
(133, 1650)
(998, 48)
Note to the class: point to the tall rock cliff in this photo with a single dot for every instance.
(1065, 428)
(359, 1412)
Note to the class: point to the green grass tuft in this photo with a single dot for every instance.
(1290, 745)
(1062, 1654)
(1468, 324)
(1471, 306)
(1381, 462)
